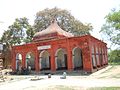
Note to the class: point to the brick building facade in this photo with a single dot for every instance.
(54, 49)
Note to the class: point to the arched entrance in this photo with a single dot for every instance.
(18, 61)
(30, 60)
(61, 59)
(77, 58)
(44, 59)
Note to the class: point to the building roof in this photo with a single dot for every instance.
(53, 28)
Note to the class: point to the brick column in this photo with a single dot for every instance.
(69, 56)
(87, 60)
(102, 55)
(36, 61)
(99, 55)
(53, 66)
(106, 54)
(95, 55)
(24, 60)
(69, 60)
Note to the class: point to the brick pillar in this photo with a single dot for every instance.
(106, 54)
(69, 60)
(87, 59)
(36, 61)
(95, 55)
(102, 56)
(69, 56)
(24, 60)
(53, 66)
(99, 55)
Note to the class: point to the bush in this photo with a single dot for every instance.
(114, 57)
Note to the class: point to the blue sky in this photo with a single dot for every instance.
(87, 11)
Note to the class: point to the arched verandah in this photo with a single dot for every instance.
(44, 60)
(30, 60)
(61, 59)
(77, 58)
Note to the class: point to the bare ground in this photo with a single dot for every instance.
(107, 77)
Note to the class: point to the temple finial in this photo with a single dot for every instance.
(53, 20)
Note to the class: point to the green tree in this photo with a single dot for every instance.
(20, 31)
(114, 57)
(65, 20)
(112, 27)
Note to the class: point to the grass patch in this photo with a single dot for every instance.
(61, 87)
(104, 88)
(103, 77)
(114, 63)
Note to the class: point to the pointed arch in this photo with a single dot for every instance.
(30, 60)
(61, 59)
(44, 60)
(18, 60)
(77, 58)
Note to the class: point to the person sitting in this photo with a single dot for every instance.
(64, 75)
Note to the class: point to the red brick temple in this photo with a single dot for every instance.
(55, 49)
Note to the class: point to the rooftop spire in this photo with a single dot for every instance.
(54, 29)
(53, 20)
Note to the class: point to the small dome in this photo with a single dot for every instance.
(53, 28)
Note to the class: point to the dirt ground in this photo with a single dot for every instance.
(112, 72)
(107, 77)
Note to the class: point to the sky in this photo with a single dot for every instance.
(87, 11)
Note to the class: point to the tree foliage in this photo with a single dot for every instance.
(112, 27)
(20, 31)
(65, 20)
(114, 57)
